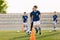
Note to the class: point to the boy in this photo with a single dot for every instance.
(55, 20)
(35, 18)
(25, 17)
(32, 24)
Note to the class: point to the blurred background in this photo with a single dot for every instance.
(13, 21)
(19, 6)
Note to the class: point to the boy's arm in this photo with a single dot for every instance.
(40, 17)
(22, 17)
(31, 17)
(27, 18)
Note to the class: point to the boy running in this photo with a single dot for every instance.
(35, 18)
(55, 20)
(25, 17)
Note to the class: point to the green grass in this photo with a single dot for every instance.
(13, 35)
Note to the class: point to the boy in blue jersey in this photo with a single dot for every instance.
(55, 20)
(25, 18)
(35, 18)
(32, 24)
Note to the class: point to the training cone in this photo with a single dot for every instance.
(32, 36)
(23, 28)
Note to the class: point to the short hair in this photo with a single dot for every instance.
(24, 12)
(54, 11)
(35, 6)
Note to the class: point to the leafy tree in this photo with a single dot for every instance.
(3, 6)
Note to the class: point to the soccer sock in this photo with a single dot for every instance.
(31, 26)
(39, 30)
(36, 30)
(55, 26)
(25, 28)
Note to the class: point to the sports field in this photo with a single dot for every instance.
(14, 35)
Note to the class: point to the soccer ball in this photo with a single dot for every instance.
(28, 32)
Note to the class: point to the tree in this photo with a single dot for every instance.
(3, 6)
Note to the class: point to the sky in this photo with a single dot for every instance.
(20, 6)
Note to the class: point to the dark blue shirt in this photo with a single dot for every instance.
(54, 17)
(25, 18)
(35, 15)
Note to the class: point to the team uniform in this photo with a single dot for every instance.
(35, 17)
(25, 22)
(32, 23)
(54, 21)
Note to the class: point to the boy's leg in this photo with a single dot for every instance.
(31, 26)
(36, 28)
(54, 25)
(25, 27)
(39, 30)
(39, 27)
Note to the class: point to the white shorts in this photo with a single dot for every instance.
(25, 23)
(36, 23)
(54, 22)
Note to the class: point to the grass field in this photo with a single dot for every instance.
(13, 35)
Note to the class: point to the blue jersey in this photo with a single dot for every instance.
(25, 18)
(35, 15)
(54, 17)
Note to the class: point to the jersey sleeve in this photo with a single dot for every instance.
(56, 16)
(27, 16)
(39, 12)
(31, 14)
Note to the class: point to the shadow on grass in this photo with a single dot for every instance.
(41, 36)
(25, 36)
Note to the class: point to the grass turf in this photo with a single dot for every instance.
(13, 35)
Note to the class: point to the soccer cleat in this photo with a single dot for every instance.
(39, 30)
(40, 33)
(36, 30)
